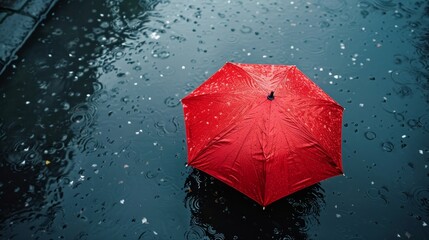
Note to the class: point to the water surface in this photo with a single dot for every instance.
(92, 134)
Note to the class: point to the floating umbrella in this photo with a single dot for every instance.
(265, 130)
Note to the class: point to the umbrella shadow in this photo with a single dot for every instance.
(220, 212)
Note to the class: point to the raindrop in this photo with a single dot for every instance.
(370, 135)
(118, 25)
(420, 197)
(118, 53)
(364, 13)
(221, 15)
(154, 35)
(424, 121)
(364, 4)
(88, 144)
(137, 68)
(232, 38)
(104, 25)
(399, 116)
(150, 174)
(384, 5)
(403, 77)
(398, 15)
(387, 146)
(57, 32)
(333, 6)
(125, 99)
(313, 45)
(413, 123)
(161, 53)
(147, 235)
(66, 106)
(172, 102)
(324, 24)
(192, 203)
(82, 117)
(245, 29)
(404, 91)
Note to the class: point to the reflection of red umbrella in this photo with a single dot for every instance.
(265, 130)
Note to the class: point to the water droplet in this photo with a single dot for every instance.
(161, 53)
(370, 135)
(245, 29)
(66, 105)
(388, 146)
(171, 102)
(154, 35)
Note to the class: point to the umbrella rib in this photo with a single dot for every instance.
(222, 94)
(223, 132)
(286, 75)
(308, 135)
(248, 74)
(290, 149)
(293, 67)
(247, 134)
(320, 102)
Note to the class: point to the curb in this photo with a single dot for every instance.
(18, 20)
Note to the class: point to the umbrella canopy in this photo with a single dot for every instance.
(265, 130)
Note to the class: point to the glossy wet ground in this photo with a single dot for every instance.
(92, 136)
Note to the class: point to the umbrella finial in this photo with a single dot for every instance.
(271, 96)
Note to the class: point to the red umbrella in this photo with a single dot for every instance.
(265, 130)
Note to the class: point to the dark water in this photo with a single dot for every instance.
(92, 135)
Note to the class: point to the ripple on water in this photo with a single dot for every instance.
(24, 155)
(81, 236)
(370, 135)
(99, 97)
(219, 236)
(387, 146)
(384, 5)
(24, 161)
(82, 116)
(151, 174)
(168, 71)
(148, 235)
(56, 146)
(192, 203)
(424, 121)
(400, 59)
(97, 86)
(313, 45)
(160, 52)
(308, 211)
(2, 132)
(404, 91)
(172, 101)
(88, 144)
(117, 53)
(403, 77)
(420, 198)
(364, 4)
(232, 38)
(378, 194)
(246, 29)
(150, 5)
(334, 6)
(166, 128)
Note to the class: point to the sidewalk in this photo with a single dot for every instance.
(18, 19)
